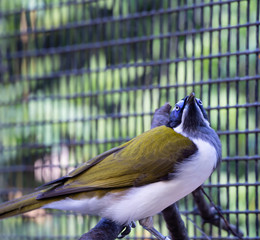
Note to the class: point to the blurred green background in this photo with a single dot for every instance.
(78, 77)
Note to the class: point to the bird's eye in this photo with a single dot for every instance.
(200, 102)
(177, 108)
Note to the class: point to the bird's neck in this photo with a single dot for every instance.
(205, 133)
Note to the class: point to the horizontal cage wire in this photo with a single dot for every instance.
(79, 77)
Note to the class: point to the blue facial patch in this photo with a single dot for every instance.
(175, 116)
(199, 103)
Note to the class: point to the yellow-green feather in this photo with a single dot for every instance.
(22, 205)
(148, 158)
(145, 159)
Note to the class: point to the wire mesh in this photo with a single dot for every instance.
(79, 77)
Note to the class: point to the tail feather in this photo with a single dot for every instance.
(22, 205)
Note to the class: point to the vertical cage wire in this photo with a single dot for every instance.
(80, 77)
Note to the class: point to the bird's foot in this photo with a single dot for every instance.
(126, 230)
(147, 224)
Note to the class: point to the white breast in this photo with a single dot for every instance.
(141, 202)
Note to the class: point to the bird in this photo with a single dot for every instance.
(138, 179)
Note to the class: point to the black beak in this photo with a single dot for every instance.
(191, 98)
(193, 118)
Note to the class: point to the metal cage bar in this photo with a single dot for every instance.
(78, 77)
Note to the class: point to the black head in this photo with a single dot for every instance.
(190, 119)
(188, 113)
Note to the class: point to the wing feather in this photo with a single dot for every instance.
(148, 158)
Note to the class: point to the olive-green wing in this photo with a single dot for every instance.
(148, 158)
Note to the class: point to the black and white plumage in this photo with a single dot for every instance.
(144, 201)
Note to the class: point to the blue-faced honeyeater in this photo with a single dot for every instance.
(141, 177)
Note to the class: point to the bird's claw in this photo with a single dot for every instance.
(147, 224)
(126, 230)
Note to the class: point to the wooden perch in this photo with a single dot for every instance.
(210, 214)
(109, 230)
(104, 230)
(174, 223)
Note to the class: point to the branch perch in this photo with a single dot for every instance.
(104, 230)
(212, 216)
